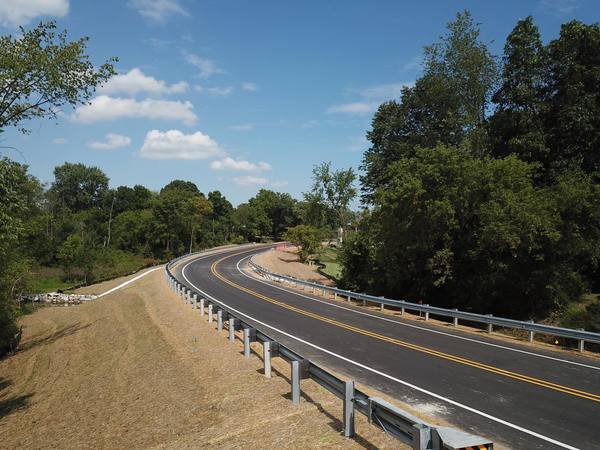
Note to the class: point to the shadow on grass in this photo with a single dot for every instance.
(58, 334)
(11, 404)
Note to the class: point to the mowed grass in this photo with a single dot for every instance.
(329, 263)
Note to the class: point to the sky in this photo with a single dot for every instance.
(239, 95)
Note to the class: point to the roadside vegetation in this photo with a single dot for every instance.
(480, 189)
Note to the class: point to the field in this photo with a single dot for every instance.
(328, 259)
(139, 369)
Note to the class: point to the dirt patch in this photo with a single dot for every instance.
(287, 262)
(139, 369)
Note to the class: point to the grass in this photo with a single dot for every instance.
(328, 260)
(49, 279)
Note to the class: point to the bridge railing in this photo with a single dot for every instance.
(419, 434)
(580, 335)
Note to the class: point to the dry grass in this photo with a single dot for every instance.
(288, 263)
(139, 369)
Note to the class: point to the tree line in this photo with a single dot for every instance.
(481, 183)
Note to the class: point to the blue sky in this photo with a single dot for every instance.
(239, 95)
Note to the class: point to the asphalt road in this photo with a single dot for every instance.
(514, 394)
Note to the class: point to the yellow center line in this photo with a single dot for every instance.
(400, 343)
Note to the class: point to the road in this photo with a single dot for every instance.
(516, 395)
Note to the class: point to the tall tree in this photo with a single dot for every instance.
(40, 72)
(79, 187)
(333, 190)
(447, 104)
(573, 116)
(517, 125)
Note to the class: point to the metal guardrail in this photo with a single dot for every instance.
(581, 336)
(393, 420)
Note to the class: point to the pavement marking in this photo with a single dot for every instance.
(382, 374)
(128, 282)
(385, 319)
(401, 343)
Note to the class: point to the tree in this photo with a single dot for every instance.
(79, 187)
(573, 112)
(72, 254)
(40, 72)
(517, 126)
(19, 194)
(306, 238)
(278, 207)
(333, 190)
(447, 105)
(251, 223)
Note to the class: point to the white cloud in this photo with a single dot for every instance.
(354, 108)
(384, 91)
(229, 163)
(158, 11)
(112, 141)
(251, 180)
(19, 12)
(310, 124)
(105, 108)
(250, 87)
(372, 96)
(559, 7)
(222, 91)
(174, 144)
(206, 67)
(135, 81)
(242, 127)
(59, 141)
(279, 184)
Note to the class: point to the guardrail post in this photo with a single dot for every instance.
(220, 320)
(402, 311)
(349, 299)
(349, 409)
(195, 301)
(202, 307)
(335, 295)
(249, 336)
(231, 329)
(426, 314)
(581, 343)
(421, 436)
(531, 333)
(382, 307)
(455, 321)
(364, 302)
(210, 313)
(299, 371)
(490, 326)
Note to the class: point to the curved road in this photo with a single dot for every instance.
(515, 395)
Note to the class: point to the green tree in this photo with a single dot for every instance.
(447, 104)
(306, 238)
(72, 254)
(573, 111)
(331, 194)
(41, 72)
(19, 193)
(517, 125)
(251, 223)
(79, 187)
(278, 207)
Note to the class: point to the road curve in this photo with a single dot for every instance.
(516, 396)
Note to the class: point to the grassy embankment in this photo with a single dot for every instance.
(328, 262)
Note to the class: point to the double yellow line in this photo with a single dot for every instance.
(400, 343)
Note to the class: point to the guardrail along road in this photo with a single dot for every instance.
(515, 394)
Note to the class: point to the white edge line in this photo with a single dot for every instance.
(566, 361)
(383, 374)
(129, 281)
